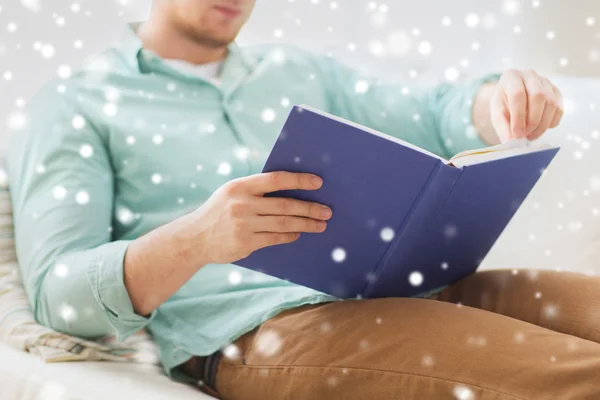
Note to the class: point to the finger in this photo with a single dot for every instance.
(500, 118)
(283, 206)
(549, 112)
(267, 239)
(536, 99)
(284, 223)
(260, 184)
(516, 98)
(560, 107)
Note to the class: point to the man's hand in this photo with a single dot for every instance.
(235, 221)
(238, 220)
(524, 105)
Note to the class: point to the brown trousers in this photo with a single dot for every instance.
(495, 335)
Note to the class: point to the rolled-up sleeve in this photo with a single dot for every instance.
(62, 188)
(438, 119)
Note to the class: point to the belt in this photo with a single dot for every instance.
(203, 369)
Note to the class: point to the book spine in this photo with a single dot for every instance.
(428, 203)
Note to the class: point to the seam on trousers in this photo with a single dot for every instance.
(280, 368)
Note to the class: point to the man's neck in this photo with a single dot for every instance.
(168, 42)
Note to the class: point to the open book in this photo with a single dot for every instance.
(405, 221)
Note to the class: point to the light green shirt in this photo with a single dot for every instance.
(129, 143)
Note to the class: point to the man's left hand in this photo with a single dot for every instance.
(525, 105)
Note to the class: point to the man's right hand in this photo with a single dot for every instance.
(237, 220)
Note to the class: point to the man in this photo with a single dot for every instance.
(136, 186)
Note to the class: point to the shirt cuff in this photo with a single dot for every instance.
(461, 133)
(107, 282)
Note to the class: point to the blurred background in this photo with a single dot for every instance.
(414, 42)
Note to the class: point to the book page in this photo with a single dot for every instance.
(509, 149)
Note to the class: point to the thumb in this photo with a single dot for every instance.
(500, 117)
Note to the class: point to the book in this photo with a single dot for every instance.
(405, 221)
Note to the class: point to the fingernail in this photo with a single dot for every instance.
(518, 132)
(321, 225)
(325, 212)
(316, 180)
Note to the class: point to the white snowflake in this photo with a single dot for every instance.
(231, 352)
(338, 254)
(462, 392)
(472, 20)
(425, 48)
(361, 86)
(387, 234)
(110, 109)
(268, 343)
(519, 337)
(224, 169)
(67, 313)
(325, 327)
(268, 115)
(157, 178)
(59, 192)
(450, 231)
(78, 122)
(61, 270)
(594, 183)
(415, 278)
(157, 139)
(234, 277)
(452, 74)
(31, 5)
(511, 7)
(550, 311)
(489, 21)
(124, 215)
(11, 27)
(86, 151)
(47, 51)
(82, 197)
(241, 152)
(377, 48)
(427, 360)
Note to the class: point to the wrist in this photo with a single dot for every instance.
(187, 244)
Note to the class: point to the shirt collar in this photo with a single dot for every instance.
(237, 63)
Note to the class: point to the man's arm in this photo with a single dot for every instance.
(63, 200)
(80, 282)
(443, 119)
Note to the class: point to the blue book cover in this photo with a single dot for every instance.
(404, 221)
